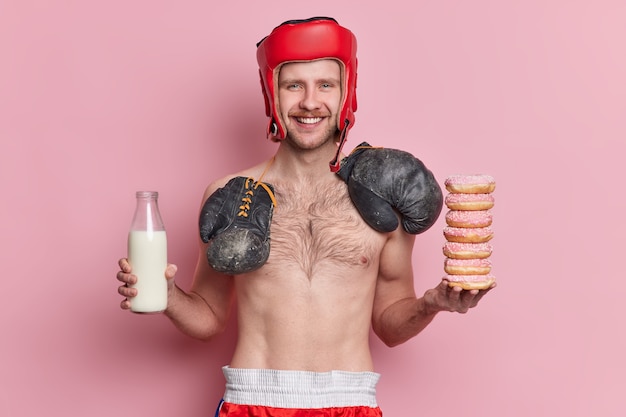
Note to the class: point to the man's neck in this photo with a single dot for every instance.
(304, 164)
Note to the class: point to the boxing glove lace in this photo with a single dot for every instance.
(236, 220)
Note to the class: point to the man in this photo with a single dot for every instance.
(320, 263)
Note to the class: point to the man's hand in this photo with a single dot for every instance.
(454, 299)
(126, 277)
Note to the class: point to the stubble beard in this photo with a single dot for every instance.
(331, 134)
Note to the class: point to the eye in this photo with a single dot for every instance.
(327, 86)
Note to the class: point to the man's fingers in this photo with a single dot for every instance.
(124, 265)
(170, 271)
(126, 278)
(127, 291)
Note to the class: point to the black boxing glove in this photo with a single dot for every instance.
(383, 182)
(236, 220)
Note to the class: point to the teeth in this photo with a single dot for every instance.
(308, 120)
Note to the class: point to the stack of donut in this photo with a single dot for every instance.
(468, 231)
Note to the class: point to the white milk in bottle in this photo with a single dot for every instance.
(147, 255)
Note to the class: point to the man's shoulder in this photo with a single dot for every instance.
(251, 172)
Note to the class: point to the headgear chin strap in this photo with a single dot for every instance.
(308, 40)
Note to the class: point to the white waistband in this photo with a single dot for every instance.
(300, 389)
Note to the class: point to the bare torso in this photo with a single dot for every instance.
(310, 306)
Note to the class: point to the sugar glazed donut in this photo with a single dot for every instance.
(467, 266)
(470, 184)
(468, 234)
(463, 201)
(471, 282)
(465, 218)
(468, 231)
(457, 250)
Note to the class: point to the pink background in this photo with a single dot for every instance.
(99, 99)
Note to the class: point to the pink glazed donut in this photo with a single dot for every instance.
(471, 282)
(468, 234)
(457, 250)
(465, 218)
(467, 266)
(464, 201)
(471, 184)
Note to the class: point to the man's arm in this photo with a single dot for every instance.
(204, 310)
(398, 314)
(201, 313)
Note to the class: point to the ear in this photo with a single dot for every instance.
(272, 131)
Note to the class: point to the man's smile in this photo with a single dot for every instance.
(308, 120)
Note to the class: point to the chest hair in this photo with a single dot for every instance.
(317, 227)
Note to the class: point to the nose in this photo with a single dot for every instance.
(310, 99)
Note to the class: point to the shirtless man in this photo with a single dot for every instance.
(305, 313)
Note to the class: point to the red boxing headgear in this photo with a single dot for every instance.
(307, 40)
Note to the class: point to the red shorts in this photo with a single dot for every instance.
(236, 410)
(272, 393)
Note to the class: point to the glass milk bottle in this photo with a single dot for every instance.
(147, 255)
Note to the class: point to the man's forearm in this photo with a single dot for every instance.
(193, 316)
(403, 320)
